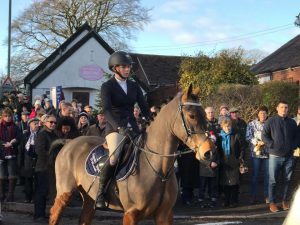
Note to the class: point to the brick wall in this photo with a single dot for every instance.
(292, 74)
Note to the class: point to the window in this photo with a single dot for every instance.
(82, 97)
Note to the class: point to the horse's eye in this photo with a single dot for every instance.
(192, 117)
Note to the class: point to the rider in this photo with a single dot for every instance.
(118, 95)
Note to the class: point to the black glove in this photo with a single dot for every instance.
(125, 131)
(147, 121)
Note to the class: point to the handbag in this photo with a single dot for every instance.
(243, 167)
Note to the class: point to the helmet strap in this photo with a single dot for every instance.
(117, 72)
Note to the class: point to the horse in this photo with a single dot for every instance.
(293, 217)
(151, 191)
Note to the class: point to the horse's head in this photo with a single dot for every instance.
(192, 129)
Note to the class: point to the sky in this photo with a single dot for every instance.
(186, 27)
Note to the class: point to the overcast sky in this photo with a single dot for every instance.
(188, 26)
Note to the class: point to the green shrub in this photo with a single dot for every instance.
(274, 91)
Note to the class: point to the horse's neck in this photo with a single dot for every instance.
(160, 138)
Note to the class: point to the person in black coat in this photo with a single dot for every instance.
(28, 150)
(231, 152)
(42, 145)
(118, 95)
(66, 128)
(98, 129)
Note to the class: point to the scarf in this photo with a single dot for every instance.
(31, 140)
(226, 142)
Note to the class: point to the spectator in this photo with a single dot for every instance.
(98, 129)
(9, 140)
(29, 158)
(297, 117)
(137, 116)
(66, 128)
(42, 145)
(49, 108)
(37, 106)
(231, 153)
(89, 110)
(23, 128)
(20, 103)
(209, 172)
(23, 123)
(188, 168)
(83, 123)
(280, 136)
(76, 109)
(238, 124)
(259, 153)
(66, 109)
(26, 104)
(223, 114)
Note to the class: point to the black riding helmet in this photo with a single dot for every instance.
(119, 58)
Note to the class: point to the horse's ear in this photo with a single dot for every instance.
(187, 93)
(190, 90)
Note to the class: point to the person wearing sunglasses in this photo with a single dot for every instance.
(43, 141)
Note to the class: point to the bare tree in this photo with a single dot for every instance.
(46, 24)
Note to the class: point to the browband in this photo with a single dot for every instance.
(191, 103)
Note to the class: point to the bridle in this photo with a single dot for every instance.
(189, 134)
(188, 130)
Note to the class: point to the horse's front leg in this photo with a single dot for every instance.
(131, 217)
(163, 218)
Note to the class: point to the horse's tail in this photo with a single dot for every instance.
(55, 148)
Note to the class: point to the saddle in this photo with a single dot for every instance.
(127, 162)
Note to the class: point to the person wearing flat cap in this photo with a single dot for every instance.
(238, 124)
(223, 113)
(98, 129)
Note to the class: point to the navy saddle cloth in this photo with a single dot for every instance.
(99, 155)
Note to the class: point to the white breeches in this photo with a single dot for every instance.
(114, 146)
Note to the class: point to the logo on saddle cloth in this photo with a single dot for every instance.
(99, 156)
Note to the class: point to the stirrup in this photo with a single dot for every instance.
(100, 203)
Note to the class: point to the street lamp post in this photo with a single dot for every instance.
(9, 37)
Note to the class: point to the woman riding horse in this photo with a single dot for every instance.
(118, 95)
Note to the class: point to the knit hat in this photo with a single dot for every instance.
(83, 114)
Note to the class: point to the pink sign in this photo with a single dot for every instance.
(91, 72)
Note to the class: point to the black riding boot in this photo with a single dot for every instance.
(106, 174)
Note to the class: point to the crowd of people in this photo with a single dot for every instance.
(271, 143)
(27, 131)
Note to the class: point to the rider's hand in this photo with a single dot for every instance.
(124, 131)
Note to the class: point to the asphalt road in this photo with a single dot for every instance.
(13, 218)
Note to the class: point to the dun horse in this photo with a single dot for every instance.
(150, 192)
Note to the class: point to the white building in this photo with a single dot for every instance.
(79, 65)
